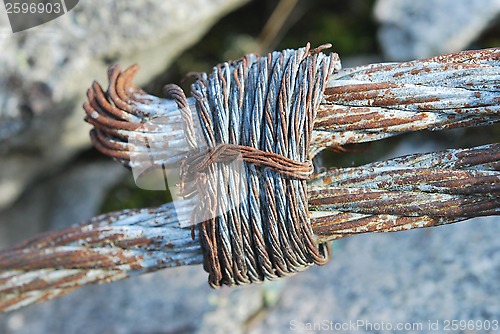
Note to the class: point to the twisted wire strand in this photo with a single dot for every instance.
(376, 101)
(115, 246)
(134, 127)
(418, 190)
(360, 104)
(110, 247)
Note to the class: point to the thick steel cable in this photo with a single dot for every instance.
(44, 268)
(360, 104)
(417, 190)
(108, 248)
(118, 245)
(376, 101)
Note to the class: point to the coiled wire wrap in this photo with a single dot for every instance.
(262, 231)
(415, 191)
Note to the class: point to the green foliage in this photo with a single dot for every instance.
(348, 25)
(127, 195)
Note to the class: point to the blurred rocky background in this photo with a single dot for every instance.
(50, 177)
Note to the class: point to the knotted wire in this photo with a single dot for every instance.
(360, 104)
(261, 109)
(137, 233)
(134, 127)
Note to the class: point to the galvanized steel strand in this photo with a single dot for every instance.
(376, 101)
(418, 190)
(115, 246)
(120, 112)
(360, 104)
(108, 248)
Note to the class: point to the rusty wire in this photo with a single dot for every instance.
(119, 114)
(410, 192)
(360, 104)
(115, 246)
(377, 101)
(414, 191)
(264, 106)
(110, 247)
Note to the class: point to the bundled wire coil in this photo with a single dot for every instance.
(269, 128)
(271, 114)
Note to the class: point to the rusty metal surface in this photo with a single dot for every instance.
(254, 109)
(122, 127)
(376, 101)
(109, 248)
(414, 191)
(393, 195)
(361, 104)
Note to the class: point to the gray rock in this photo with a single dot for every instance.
(233, 309)
(419, 29)
(413, 277)
(69, 197)
(47, 70)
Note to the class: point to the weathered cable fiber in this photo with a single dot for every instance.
(114, 246)
(376, 101)
(108, 248)
(360, 104)
(418, 190)
(266, 105)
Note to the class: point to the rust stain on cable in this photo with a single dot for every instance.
(115, 245)
(377, 101)
(360, 104)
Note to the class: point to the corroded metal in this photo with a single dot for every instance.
(361, 104)
(376, 101)
(122, 113)
(415, 191)
(110, 247)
